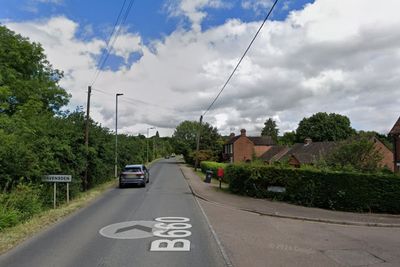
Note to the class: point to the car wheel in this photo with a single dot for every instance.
(121, 185)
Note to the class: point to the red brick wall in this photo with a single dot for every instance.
(386, 153)
(243, 149)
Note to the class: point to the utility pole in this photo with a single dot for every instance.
(85, 179)
(196, 163)
(116, 134)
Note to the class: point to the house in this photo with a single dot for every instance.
(308, 152)
(395, 134)
(243, 148)
(311, 152)
(274, 154)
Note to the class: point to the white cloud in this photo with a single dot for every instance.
(192, 9)
(326, 57)
(258, 6)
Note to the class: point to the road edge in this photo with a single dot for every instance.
(221, 248)
(299, 218)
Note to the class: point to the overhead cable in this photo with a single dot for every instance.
(241, 59)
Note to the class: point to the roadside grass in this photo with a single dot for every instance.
(11, 237)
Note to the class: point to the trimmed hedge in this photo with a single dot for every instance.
(213, 166)
(329, 190)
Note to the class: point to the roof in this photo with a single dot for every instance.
(262, 140)
(134, 166)
(256, 140)
(274, 153)
(396, 128)
(309, 153)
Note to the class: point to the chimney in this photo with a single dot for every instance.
(307, 141)
(232, 135)
(243, 132)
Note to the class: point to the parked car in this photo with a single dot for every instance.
(136, 174)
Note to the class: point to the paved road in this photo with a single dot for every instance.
(76, 241)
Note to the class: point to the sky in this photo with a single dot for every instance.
(172, 57)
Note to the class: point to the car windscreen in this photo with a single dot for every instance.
(133, 169)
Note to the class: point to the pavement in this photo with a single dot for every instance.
(212, 194)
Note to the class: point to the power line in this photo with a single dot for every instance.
(113, 38)
(134, 100)
(241, 59)
(102, 58)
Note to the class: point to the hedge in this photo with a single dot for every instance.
(324, 189)
(213, 166)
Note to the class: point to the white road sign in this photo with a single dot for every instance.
(57, 178)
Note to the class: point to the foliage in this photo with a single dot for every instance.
(270, 129)
(212, 166)
(26, 75)
(38, 137)
(357, 153)
(185, 136)
(288, 138)
(314, 188)
(19, 205)
(324, 127)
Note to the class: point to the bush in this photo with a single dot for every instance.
(213, 166)
(19, 205)
(314, 188)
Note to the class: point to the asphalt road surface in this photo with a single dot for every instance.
(93, 237)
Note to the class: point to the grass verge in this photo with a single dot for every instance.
(10, 237)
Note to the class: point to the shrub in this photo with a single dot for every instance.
(323, 189)
(19, 205)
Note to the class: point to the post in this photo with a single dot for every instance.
(154, 148)
(116, 134)
(54, 195)
(85, 179)
(67, 193)
(147, 146)
(196, 163)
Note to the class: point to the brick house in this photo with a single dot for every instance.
(243, 148)
(310, 152)
(395, 134)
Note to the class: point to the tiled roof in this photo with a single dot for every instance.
(262, 140)
(257, 140)
(309, 153)
(396, 128)
(274, 153)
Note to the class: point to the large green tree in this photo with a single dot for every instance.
(185, 135)
(270, 129)
(325, 127)
(26, 75)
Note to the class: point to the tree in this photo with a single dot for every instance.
(26, 75)
(324, 127)
(184, 139)
(270, 129)
(288, 138)
(358, 153)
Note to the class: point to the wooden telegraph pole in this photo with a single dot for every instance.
(196, 163)
(85, 179)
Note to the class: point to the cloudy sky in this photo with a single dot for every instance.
(173, 56)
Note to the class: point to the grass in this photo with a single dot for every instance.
(10, 237)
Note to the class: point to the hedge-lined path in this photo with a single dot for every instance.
(211, 193)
